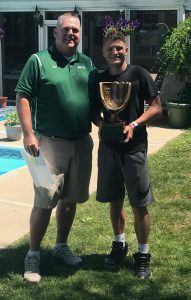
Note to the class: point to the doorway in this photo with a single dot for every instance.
(19, 43)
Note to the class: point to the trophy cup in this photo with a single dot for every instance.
(115, 97)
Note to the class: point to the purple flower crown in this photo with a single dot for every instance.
(3, 30)
(122, 26)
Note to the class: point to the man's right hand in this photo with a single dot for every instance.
(31, 144)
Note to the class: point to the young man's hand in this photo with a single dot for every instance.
(128, 130)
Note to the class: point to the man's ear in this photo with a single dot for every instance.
(55, 32)
(126, 50)
(103, 52)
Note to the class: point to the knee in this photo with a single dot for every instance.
(66, 206)
(140, 212)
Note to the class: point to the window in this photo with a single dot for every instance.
(147, 41)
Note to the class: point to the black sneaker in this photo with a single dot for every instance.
(117, 255)
(142, 265)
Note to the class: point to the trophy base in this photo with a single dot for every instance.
(112, 132)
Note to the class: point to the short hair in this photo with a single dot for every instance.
(114, 36)
(71, 14)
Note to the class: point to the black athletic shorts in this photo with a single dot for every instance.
(119, 170)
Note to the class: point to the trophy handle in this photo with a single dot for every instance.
(124, 93)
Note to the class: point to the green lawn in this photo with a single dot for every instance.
(91, 236)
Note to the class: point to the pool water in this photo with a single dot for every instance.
(10, 159)
(5, 110)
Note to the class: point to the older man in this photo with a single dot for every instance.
(54, 111)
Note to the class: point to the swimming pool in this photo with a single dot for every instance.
(5, 110)
(10, 159)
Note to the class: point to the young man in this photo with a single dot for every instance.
(54, 111)
(125, 163)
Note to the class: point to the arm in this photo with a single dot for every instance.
(97, 120)
(96, 107)
(23, 109)
(153, 110)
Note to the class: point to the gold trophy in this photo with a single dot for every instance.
(115, 97)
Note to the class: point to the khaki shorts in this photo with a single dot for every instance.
(70, 162)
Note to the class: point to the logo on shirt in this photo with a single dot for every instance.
(81, 67)
(54, 67)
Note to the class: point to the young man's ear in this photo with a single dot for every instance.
(103, 52)
(126, 50)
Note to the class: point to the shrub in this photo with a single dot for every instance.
(175, 54)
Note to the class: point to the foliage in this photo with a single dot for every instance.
(121, 26)
(174, 55)
(92, 235)
(12, 118)
(184, 95)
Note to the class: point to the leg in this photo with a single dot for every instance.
(136, 174)
(117, 214)
(119, 247)
(76, 188)
(110, 188)
(38, 224)
(39, 221)
(65, 214)
(142, 228)
(142, 224)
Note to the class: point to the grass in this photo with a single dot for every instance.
(92, 235)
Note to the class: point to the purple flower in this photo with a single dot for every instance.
(122, 25)
(108, 21)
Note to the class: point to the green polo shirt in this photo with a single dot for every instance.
(59, 93)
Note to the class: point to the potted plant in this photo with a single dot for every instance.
(12, 125)
(3, 101)
(179, 109)
(173, 64)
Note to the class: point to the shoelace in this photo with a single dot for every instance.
(67, 251)
(32, 264)
(116, 250)
(142, 264)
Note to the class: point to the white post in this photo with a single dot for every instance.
(1, 70)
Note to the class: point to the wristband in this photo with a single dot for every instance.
(134, 124)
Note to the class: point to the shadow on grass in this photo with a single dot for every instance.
(12, 261)
(90, 281)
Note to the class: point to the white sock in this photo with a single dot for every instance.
(143, 248)
(120, 238)
(34, 253)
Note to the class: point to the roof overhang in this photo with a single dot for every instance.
(29, 5)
